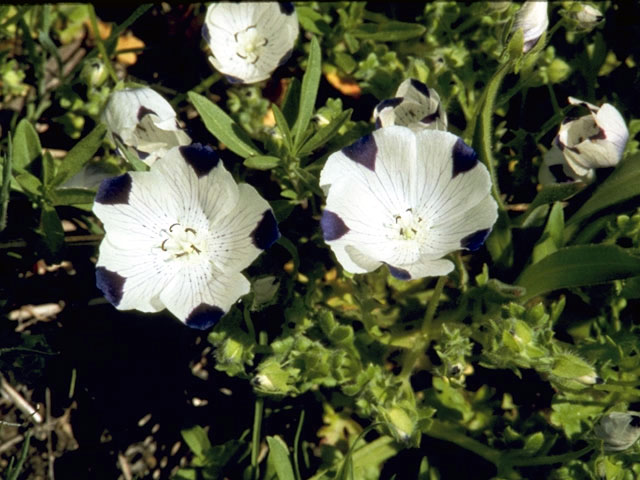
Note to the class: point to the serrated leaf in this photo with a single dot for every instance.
(26, 145)
(279, 456)
(623, 184)
(223, 127)
(262, 162)
(578, 266)
(326, 133)
(308, 92)
(391, 31)
(197, 440)
(80, 154)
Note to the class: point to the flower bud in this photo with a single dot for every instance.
(618, 430)
(533, 19)
(586, 17)
(94, 73)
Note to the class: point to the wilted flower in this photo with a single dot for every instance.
(618, 430)
(140, 119)
(178, 236)
(405, 199)
(414, 106)
(533, 19)
(584, 144)
(249, 40)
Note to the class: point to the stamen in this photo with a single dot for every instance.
(171, 227)
(195, 249)
(189, 229)
(162, 245)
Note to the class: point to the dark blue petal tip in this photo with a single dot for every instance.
(266, 232)
(285, 57)
(333, 227)
(202, 158)
(144, 111)
(114, 191)
(204, 316)
(390, 102)
(421, 87)
(399, 273)
(286, 7)
(111, 284)
(464, 158)
(475, 240)
(363, 151)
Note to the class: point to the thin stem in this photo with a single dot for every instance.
(444, 431)
(549, 460)
(433, 304)
(296, 445)
(255, 436)
(100, 44)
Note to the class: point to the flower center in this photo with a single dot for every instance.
(250, 44)
(408, 226)
(181, 242)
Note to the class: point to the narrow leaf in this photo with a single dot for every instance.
(279, 455)
(197, 440)
(6, 184)
(391, 31)
(80, 154)
(578, 266)
(281, 122)
(326, 133)
(550, 194)
(309, 91)
(73, 196)
(30, 184)
(26, 145)
(223, 127)
(51, 228)
(262, 162)
(623, 184)
(553, 235)
(291, 102)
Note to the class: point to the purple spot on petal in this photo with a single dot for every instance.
(114, 191)
(431, 118)
(266, 232)
(204, 316)
(464, 158)
(391, 102)
(363, 151)
(205, 33)
(399, 273)
(141, 155)
(601, 135)
(286, 7)
(475, 240)
(421, 87)
(143, 112)
(202, 158)
(333, 227)
(568, 119)
(378, 123)
(284, 58)
(111, 284)
(234, 80)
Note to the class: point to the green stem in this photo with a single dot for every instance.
(445, 431)
(549, 460)
(296, 445)
(433, 304)
(100, 44)
(258, 412)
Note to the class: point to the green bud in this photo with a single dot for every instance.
(584, 18)
(402, 424)
(558, 71)
(272, 378)
(94, 73)
(573, 371)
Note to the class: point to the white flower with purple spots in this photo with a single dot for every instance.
(584, 144)
(178, 236)
(405, 199)
(618, 430)
(533, 19)
(415, 106)
(142, 120)
(249, 40)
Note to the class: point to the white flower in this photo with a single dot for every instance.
(405, 199)
(414, 106)
(249, 40)
(142, 120)
(533, 19)
(618, 430)
(583, 144)
(178, 236)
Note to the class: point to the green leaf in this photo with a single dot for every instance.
(311, 20)
(279, 456)
(552, 237)
(223, 127)
(262, 162)
(499, 242)
(197, 440)
(291, 102)
(30, 184)
(308, 92)
(326, 133)
(26, 145)
(281, 122)
(51, 228)
(391, 31)
(80, 154)
(48, 168)
(578, 266)
(623, 184)
(73, 196)
(549, 194)
(6, 185)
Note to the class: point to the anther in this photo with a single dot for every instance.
(195, 249)
(162, 245)
(189, 229)
(171, 227)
